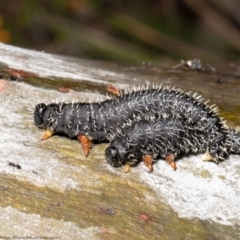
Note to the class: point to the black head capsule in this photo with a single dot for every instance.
(116, 154)
(112, 157)
(46, 116)
(38, 114)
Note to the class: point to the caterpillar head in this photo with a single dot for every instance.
(116, 154)
(46, 116)
(38, 114)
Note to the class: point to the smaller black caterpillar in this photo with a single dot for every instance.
(148, 140)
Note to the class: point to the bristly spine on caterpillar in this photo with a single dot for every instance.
(97, 120)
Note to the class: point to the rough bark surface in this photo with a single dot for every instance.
(50, 190)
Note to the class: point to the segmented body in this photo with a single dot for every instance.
(160, 139)
(234, 136)
(141, 137)
(100, 119)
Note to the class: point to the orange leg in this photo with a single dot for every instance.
(171, 162)
(147, 159)
(86, 143)
(113, 89)
(47, 135)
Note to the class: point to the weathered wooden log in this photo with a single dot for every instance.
(50, 190)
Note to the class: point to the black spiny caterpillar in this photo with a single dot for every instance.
(149, 140)
(96, 121)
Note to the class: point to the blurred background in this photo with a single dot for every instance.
(158, 32)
